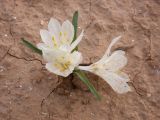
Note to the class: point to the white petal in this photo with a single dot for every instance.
(108, 51)
(65, 47)
(54, 28)
(118, 83)
(42, 46)
(50, 67)
(47, 52)
(77, 41)
(68, 31)
(46, 37)
(48, 55)
(86, 68)
(51, 54)
(124, 75)
(76, 58)
(116, 61)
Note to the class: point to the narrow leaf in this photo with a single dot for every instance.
(75, 24)
(31, 46)
(83, 77)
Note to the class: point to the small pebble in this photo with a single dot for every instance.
(92, 114)
(14, 17)
(43, 113)
(2, 68)
(148, 95)
(42, 22)
(5, 35)
(49, 78)
(132, 40)
(30, 88)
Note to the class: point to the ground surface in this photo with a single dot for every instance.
(24, 82)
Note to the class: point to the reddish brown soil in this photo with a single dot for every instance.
(24, 82)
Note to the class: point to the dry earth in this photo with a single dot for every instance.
(24, 82)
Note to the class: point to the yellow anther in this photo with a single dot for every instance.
(62, 65)
(60, 33)
(54, 41)
(65, 33)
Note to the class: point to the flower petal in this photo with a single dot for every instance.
(76, 58)
(41, 46)
(77, 41)
(54, 28)
(118, 83)
(124, 75)
(46, 37)
(50, 67)
(51, 54)
(108, 51)
(65, 47)
(86, 68)
(116, 61)
(68, 31)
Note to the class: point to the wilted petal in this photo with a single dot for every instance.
(118, 83)
(68, 31)
(116, 61)
(124, 75)
(108, 51)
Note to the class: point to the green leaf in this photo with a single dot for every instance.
(83, 77)
(75, 24)
(31, 46)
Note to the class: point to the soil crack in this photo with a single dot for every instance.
(25, 59)
(147, 33)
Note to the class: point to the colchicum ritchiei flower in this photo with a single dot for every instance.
(57, 47)
(109, 68)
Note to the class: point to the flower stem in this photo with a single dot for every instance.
(84, 79)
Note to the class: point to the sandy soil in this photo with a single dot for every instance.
(24, 82)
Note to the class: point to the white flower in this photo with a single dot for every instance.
(62, 63)
(59, 37)
(109, 68)
(57, 47)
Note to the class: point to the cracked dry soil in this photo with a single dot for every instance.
(24, 82)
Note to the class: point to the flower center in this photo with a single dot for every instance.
(62, 64)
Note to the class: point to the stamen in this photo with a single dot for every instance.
(54, 41)
(61, 64)
(60, 33)
(65, 33)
